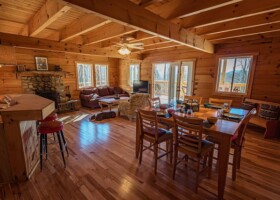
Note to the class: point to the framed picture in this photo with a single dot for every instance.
(41, 63)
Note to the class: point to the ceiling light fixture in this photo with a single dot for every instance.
(124, 51)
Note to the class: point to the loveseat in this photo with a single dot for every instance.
(90, 96)
(268, 116)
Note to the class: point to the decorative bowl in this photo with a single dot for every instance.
(212, 120)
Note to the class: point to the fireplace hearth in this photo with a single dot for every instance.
(51, 95)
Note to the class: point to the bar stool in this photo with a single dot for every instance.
(49, 127)
(50, 117)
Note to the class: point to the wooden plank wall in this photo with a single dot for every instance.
(9, 83)
(266, 85)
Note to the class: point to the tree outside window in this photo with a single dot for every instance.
(101, 75)
(84, 72)
(133, 73)
(233, 74)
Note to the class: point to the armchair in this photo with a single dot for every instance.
(137, 101)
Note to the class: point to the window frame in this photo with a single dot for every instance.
(129, 79)
(77, 75)
(107, 74)
(248, 92)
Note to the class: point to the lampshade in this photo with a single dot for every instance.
(124, 51)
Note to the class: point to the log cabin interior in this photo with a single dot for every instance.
(87, 86)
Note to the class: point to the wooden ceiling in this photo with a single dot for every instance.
(93, 26)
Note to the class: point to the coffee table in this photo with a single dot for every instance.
(111, 102)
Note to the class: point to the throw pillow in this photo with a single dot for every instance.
(104, 92)
(95, 96)
(248, 105)
(269, 112)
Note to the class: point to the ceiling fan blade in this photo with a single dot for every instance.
(119, 44)
(135, 47)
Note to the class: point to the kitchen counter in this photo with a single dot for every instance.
(19, 143)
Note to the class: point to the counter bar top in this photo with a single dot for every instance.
(28, 107)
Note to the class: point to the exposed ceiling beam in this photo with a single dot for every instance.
(154, 41)
(245, 32)
(17, 28)
(183, 8)
(159, 46)
(48, 13)
(48, 45)
(145, 3)
(249, 38)
(140, 36)
(239, 10)
(247, 22)
(129, 14)
(107, 32)
(82, 25)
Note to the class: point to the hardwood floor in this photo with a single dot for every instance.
(102, 165)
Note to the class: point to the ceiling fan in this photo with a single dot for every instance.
(125, 45)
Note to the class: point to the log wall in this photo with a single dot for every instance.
(10, 83)
(266, 80)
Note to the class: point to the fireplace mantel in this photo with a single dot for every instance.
(41, 73)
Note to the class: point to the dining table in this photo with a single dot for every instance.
(221, 132)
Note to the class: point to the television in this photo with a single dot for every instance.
(141, 86)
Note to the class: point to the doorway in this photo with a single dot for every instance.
(172, 80)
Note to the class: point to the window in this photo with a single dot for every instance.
(84, 72)
(233, 74)
(101, 75)
(133, 73)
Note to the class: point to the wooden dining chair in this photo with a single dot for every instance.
(196, 98)
(154, 135)
(154, 102)
(237, 142)
(220, 102)
(189, 141)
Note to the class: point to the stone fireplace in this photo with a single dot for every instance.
(48, 86)
(33, 84)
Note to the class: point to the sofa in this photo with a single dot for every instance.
(267, 117)
(90, 96)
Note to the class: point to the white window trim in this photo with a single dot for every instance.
(77, 75)
(129, 80)
(107, 74)
(250, 77)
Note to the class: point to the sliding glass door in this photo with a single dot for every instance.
(172, 80)
(186, 79)
(161, 81)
